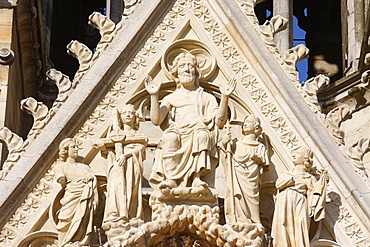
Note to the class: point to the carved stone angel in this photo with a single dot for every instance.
(80, 199)
(300, 196)
(246, 160)
(126, 153)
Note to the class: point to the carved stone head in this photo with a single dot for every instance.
(130, 116)
(303, 156)
(68, 148)
(185, 69)
(252, 124)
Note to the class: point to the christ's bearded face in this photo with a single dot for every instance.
(186, 71)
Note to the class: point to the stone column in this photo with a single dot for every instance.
(6, 59)
(284, 39)
(115, 10)
(355, 28)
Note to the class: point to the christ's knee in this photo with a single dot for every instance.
(170, 142)
(202, 141)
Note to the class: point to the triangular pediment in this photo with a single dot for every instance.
(228, 44)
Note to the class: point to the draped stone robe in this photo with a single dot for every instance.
(243, 181)
(187, 118)
(79, 203)
(124, 193)
(299, 198)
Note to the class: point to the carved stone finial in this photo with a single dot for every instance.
(65, 88)
(14, 144)
(84, 56)
(356, 153)
(106, 29)
(310, 89)
(334, 119)
(291, 57)
(39, 111)
(6, 56)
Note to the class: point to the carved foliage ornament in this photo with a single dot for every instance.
(106, 29)
(365, 78)
(272, 27)
(41, 115)
(65, 88)
(130, 6)
(356, 153)
(39, 111)
(334, 119)
(291, 57)
(201, 221)
(310, 89)
(85, 56)
(14, 143)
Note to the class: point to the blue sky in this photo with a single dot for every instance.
(298, 38)
(300, 35)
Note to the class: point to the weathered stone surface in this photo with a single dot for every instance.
(228, 68)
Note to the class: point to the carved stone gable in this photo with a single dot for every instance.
(183, 120)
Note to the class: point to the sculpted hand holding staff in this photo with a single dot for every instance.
(247, 160)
